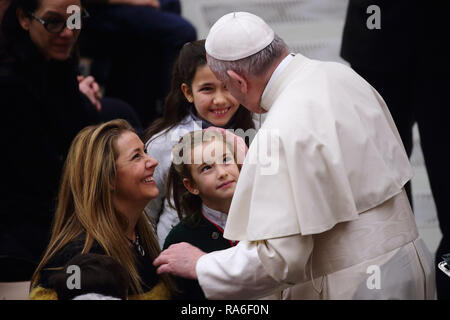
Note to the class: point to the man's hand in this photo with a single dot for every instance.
(179, 259)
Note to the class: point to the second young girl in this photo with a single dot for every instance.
(202, 180)
(197, 100)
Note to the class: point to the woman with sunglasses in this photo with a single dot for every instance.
(42, 111)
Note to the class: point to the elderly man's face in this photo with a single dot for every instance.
(250, 99)
(234, 88)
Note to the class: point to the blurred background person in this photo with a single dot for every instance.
(4, 4)
(405, 61)
(133, 44)
(44, 106)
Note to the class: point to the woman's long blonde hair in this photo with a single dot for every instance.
(85, 203)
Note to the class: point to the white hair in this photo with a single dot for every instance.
(255, 64)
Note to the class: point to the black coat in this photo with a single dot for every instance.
(42, 111)
(412, 35)
(205, 236)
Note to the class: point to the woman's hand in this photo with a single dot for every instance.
(90, 89)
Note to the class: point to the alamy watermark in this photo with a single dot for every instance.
(374, 280)
(74, 20)
(374, 20)
(74, 280)
(265, 152)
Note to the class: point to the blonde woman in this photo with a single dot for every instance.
(107, 182)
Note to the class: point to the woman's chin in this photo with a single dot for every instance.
(59, 56)
(152, 195)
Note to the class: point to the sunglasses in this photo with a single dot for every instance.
(56, 26)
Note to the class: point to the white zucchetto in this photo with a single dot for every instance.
(238, 35)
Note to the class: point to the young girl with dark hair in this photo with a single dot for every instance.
(197, 100)
(200, 185)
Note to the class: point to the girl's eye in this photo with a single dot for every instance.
(227, 159)
(136, 156)
(206, 89)
(205, 168)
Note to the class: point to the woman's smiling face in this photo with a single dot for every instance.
(134, 171)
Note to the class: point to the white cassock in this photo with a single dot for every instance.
(321, 213)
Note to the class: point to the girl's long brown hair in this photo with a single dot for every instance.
(85, 203)
(176, 107)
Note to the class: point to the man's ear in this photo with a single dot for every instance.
(190, 186)
(23, 19)
(187, 92)
(242, 82)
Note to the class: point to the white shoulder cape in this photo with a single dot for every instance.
(338, 155)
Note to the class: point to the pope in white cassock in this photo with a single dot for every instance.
(333, 221)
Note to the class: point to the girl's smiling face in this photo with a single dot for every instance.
(212, 100)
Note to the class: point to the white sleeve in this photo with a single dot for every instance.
(252, 270)
(286, 259)
(235, 273)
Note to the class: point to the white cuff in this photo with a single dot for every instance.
(235, 273)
